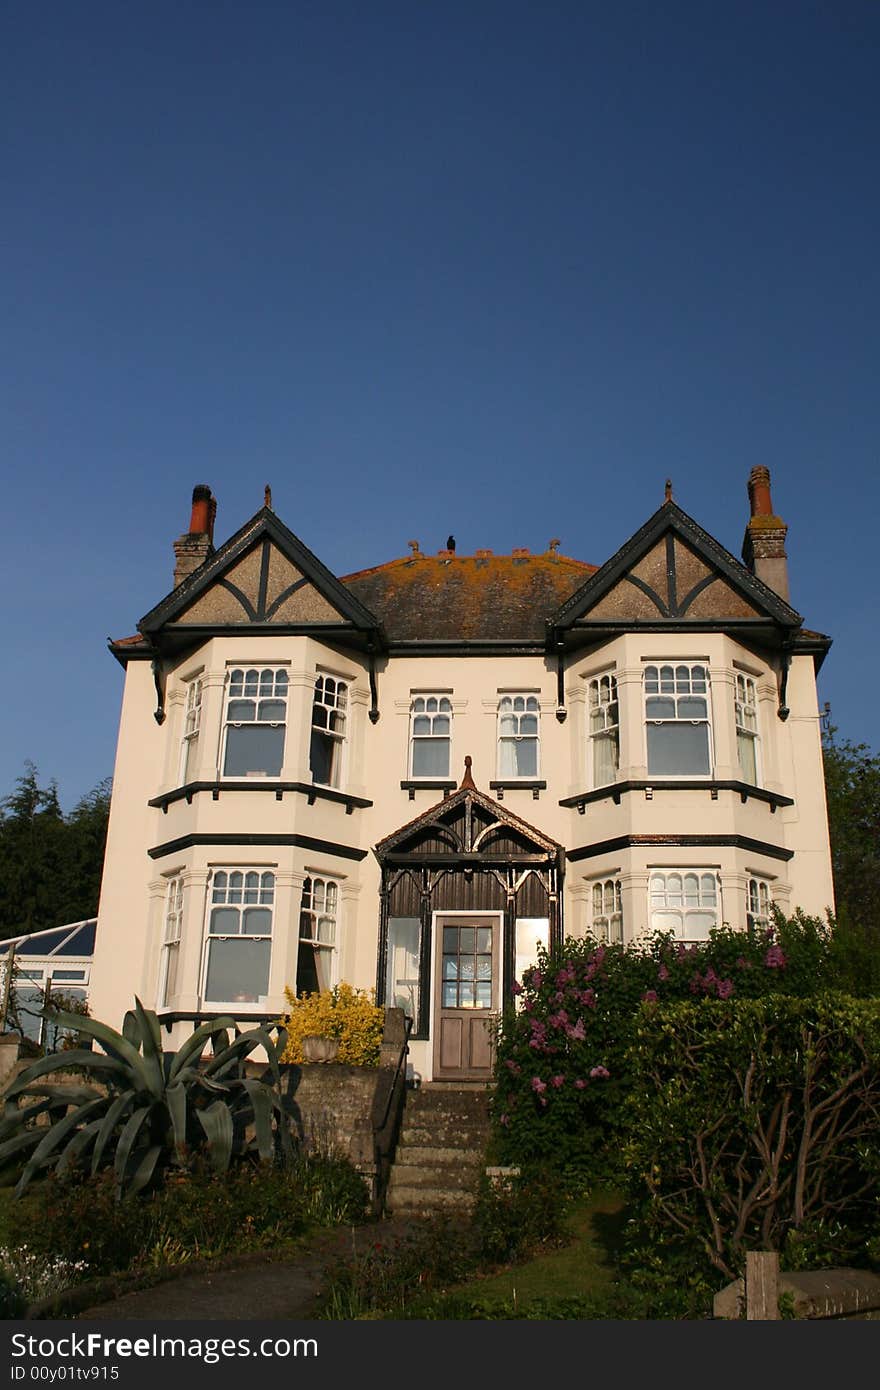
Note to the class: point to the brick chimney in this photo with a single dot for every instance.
(764, 542)
(196, 546)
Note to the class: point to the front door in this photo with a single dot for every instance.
(466, 992)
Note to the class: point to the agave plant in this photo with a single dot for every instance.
(154, 1110)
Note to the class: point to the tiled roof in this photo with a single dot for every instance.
(449, 597)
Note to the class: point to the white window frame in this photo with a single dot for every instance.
(704, 898)
(442, 709)
(507, 709)
(277, 693)
(172, 935)
(759, 903)
(606, 909)
(603, 724)
(230, 879)
(192, 725)
(330, 707)
(677, 666)
(745, 712)
(319, 920)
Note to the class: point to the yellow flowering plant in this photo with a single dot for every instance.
(349, 1014)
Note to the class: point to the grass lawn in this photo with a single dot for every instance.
(555, 1282)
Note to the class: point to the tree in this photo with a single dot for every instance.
(852, 788)
(50, 864)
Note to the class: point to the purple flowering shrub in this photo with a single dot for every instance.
(563, 1065)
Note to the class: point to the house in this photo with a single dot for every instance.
(408, 777)
(56, 961)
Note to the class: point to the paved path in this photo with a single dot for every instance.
(255, 1287)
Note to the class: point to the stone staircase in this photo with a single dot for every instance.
(441, 1150)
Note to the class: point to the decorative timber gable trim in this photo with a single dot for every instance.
(263, 579)
(672, 573)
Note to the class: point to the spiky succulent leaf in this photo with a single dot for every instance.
(216, 1121)
(54, 1137)
(77, 1058)
(115, 1112)
(193, 1047)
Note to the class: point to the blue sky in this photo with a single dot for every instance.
(489, 268)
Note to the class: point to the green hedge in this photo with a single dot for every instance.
(754, 1125)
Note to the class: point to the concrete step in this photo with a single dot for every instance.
(451, 1177)
(414, 1200)
(451, 1135)
(470, 1157)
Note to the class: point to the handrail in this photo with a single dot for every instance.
(377, 1122)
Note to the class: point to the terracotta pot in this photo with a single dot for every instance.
(317, 1049)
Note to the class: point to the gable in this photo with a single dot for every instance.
(468, 824)
(673, 571)
(263, 576)
(264, 586)
(672, 581)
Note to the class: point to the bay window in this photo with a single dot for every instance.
(239, 936)
(745, 704)
(677, 720)
(171, 939)
(191, 728)
(318, 920)
(329, 709)
(607, 910)
(256, 718)
(684, 902)
(604, 730)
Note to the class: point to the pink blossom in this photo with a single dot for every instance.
(600, 1073)
(558, 997)
(542, 1099)
(517, 987)
(743, 964)
(558, 1020)
(538, 1085)
(576, 1031)
(513, 1066)
(650, 996)
(588, 998)
(775, 958)
(725, 989)
(663, 972)
(504, 1119)
(536, 979)
(580, 1084)
(558, 1081)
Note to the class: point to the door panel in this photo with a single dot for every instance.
(466, 992)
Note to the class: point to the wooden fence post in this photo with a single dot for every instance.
(762, 1284)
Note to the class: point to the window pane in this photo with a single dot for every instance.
(254, 748)
(747, 760)
(272, 711)
(506, 758)
(678, 748)
(604, 759)
(321, 758)
(257, 921)
(430, 757)
(238, 971)
(692, 707)
(241, 709)
(421, 726)
(659, 708)
(526, 754)
(466, 938)
(402, 966)
(225, 921)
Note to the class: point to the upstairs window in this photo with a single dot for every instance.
(518, 736)
(760, 911)
(430, 736)
(745, 704)
(328, 730)
(256, 717)
(191, 726)
(318, 917)
(239, 936)
(171, 940)
(607, 910)
(604, 730)
(684, 903)
(677, 720)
